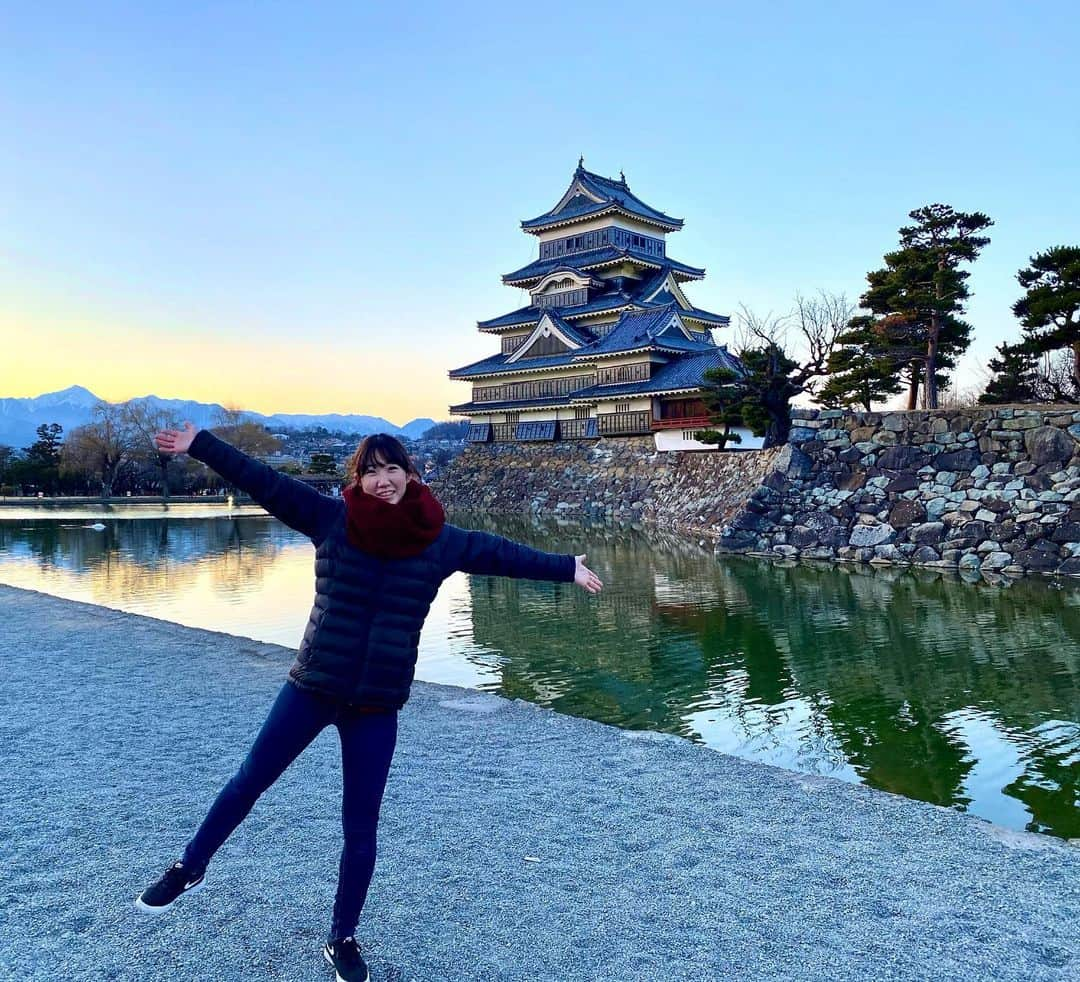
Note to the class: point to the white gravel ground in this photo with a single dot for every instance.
(515, 843)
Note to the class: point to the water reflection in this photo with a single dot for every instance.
(225, 573)
(966, 695)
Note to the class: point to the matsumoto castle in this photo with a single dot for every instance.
(608, 345)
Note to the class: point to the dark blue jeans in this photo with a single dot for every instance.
(367, 745)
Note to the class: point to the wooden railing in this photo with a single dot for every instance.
(574, 429)
(621, 424)
(686, 423)
(532, 390)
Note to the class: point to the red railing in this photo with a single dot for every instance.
(686, 423)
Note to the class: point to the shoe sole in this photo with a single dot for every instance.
(146, 908)
(326, 955)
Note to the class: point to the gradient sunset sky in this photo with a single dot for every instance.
(307, 207)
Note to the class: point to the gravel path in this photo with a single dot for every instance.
(655, 858)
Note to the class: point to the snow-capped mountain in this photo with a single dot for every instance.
(19, 418)
(71, 407)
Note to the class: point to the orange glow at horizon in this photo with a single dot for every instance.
(272, 375)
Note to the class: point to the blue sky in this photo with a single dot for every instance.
(307, 207)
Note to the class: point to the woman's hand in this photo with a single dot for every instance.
(176, 441)
(585, 577)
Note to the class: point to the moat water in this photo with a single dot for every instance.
(966, 695)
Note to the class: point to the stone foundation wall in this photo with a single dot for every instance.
(625, 480)
(990, 489)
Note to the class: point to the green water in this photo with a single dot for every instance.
(964, 695)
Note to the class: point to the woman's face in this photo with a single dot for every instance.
(384, 480)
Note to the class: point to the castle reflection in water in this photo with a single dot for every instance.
(964, 695)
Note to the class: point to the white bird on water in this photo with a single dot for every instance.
(97, 527)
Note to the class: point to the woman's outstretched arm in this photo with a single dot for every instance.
(492, 555)
(293, 502)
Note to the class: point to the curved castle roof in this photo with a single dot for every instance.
(591, 195)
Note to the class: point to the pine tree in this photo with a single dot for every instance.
(1050, 309)
(760, 399)
(861, 366)
(45, 450)
(724, 400)
(922, 289)
(1014, 380)
(759, 394)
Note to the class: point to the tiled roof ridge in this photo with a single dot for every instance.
(614, 193)
(612, 254)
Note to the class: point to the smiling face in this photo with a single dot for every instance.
(385, 480)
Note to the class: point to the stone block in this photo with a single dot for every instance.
(1022, 423)
(906, 513)
(1038, 560)
(902, 482)
(924, 555)
(929, 534)
(977, 530)
(962, 461)
(996, 561)
(872, 535)
(1048, 445)
(935, 508)
(1066, 532)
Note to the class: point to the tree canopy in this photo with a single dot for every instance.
(916, 302)
(1049, 311)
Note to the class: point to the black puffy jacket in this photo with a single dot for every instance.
(362, 634)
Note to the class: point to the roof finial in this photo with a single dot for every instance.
(581, 162)
(622, 176)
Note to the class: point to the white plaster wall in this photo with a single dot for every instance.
(608, 221)
(675, 440)
(636, 405)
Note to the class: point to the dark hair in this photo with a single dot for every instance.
(379, 448)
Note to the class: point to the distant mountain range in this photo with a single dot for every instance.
(20, 418)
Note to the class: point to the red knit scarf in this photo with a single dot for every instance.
(393, 531)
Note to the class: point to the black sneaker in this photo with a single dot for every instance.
(174, 881)
(344, 955)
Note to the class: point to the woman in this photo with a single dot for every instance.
(381, 551)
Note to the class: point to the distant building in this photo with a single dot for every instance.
(609, 345)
